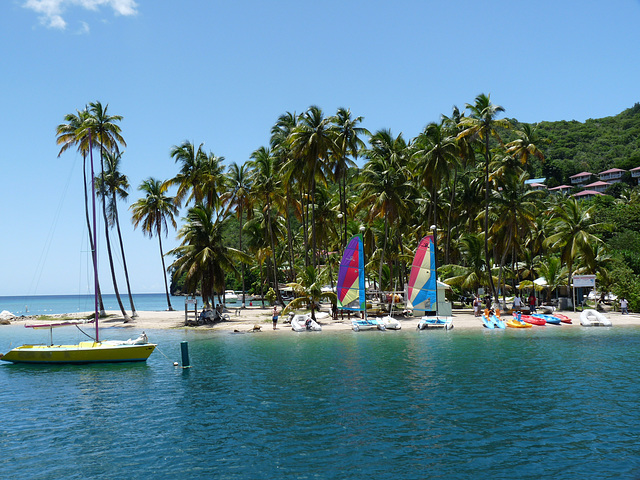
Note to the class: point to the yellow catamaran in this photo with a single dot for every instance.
(94, 351)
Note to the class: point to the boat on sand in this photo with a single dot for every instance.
(593, 318)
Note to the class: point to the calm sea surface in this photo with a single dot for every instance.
(548, 402)
(53, 304)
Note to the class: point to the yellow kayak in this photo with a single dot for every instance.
(514, 323)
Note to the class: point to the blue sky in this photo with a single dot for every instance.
(222, 72)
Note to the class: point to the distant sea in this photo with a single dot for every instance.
(53, 304)
(546, 402)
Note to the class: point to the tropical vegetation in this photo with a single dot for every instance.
(282, 216)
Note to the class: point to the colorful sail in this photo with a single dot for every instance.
(351, 276)
(422, 281)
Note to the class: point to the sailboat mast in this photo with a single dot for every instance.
(94, 253)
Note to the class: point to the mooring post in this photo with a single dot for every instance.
(184, 348)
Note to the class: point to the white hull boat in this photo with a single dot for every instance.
(593, 318)
(390, 323)
(304, 323)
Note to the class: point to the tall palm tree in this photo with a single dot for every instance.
(106, 131)
(313, 140)
(573, 233)
(154, 211)
(202, 255)
(385, 186)
(239, 197)
(114, 185)
(189, 178)
(347, 144)
(281, 150)
(526, 145)
(69, 134)
(483, 124)
(265, 181)
(435, 153)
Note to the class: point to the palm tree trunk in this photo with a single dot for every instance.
(241, 263)
(449, 215)
(486, 220)
(113, 272)
(386, 233)
(313, 219)
(273, 254)
(102, 312)
(134, 314)
(164, 269)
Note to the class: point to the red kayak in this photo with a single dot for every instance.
(563, 318)
(533, 320)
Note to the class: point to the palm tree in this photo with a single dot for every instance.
(266, 182)
(385, 186)
(313, 140)
(115, 185)
(239, 197)
(189, 179)
(347, 143)
(69, 134)
(309, 292)
(483, 124)
(572, 226)
(526, 145)
(281, 150)
(106, 132)
(435, 153)
(154, 211)
(202, 255)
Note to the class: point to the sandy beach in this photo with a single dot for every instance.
(244, 320)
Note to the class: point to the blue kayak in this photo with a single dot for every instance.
(487, 322)
(548, 318)
(499, 323)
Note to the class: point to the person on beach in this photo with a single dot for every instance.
(517, 303)
(476, 306)
(532, 303)
(624, 306)
(274, 318)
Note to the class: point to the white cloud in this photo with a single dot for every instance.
(51, 11)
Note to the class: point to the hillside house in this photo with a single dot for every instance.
(597, 186)
(613, 175)
(563, 189)
(635, 173)
(581, 178)
(586, 194)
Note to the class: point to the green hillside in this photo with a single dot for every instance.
(593, 146)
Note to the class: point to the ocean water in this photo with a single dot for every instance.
(54, 304)
(528, 404)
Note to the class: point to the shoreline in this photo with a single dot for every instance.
(244, 320)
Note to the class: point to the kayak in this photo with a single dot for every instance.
(548, 318)
(533, 320)
(563, 318)
(498, 321)
(487, 322)
(515, 323)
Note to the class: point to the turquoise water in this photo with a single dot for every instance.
(540, 403)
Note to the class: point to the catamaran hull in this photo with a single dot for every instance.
(85, 352)
(435, 322)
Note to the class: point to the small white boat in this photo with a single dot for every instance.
(435, 322)
(593, 318)
(230, 297)
(390, 323)
(304, 323)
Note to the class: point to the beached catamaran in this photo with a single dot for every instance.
(94, 351)
(351, 287)
(422, 292)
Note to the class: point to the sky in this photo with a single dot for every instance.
(220, 73)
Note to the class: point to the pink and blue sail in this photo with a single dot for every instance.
(422, 281)
(351, 293)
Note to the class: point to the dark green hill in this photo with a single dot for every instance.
(592, 146)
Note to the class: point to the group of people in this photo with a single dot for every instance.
(517, 304)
